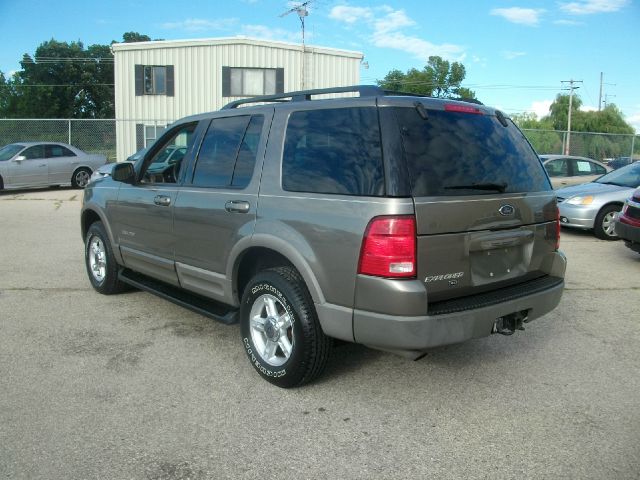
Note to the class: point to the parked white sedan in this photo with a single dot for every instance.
(42, 164)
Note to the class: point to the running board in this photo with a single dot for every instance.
(203, 306)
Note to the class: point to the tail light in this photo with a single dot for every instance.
(389, 247)
(557, 228)
(454, 107)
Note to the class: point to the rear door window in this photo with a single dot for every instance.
(458, 153)
(334, 151)
(228, 153)
(52, 151)
(583, 168)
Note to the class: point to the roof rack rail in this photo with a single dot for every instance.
(302, 95)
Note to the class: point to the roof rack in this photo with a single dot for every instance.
(363, 90)
(303, 95)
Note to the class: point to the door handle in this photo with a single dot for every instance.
(162, 200)
(237, 206)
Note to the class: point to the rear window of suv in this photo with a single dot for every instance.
(456, 153)
(335, 151)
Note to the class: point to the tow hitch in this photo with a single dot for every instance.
(508, 324)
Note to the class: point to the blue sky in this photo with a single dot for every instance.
(516, 52)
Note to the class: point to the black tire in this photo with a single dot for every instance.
(603, 226)
(80, 177)
(309, 346)
(1, 184)
(106, 281)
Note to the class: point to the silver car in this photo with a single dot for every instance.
(594, 205)
(42, 164)
(566, 170)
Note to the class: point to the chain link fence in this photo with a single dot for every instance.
(599, 146)
(99, 136)
(91, 136)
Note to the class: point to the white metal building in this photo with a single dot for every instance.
(159, 82)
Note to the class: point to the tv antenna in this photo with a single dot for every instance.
(301, 10)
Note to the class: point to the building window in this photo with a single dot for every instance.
(147, 134)
(253, 81)
(247, 82)
(154, 80)
(152, 132)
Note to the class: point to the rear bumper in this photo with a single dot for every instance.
(417, 334)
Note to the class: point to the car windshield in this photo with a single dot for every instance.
(8, 151)
(628, 176)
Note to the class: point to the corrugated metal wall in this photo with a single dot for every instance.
(198, 79)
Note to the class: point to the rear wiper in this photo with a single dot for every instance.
(498, 187)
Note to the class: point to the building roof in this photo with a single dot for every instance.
(240, 40)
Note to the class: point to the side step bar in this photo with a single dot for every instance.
(203, 306)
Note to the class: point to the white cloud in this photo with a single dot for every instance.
(588, 108)
(392, 21)
(268, 33)
(568, 23)
(541, 107)
(201, 24)
(634, 121)
(521, 16)
(350, 15)
(386, 31)
(589, 7)
(511, 55)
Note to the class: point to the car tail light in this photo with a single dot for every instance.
(389, 247)
(453, 107)
(557, 228)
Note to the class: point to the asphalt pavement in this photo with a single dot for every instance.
(134, 387)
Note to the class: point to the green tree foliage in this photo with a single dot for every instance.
(547, 133)
(132, 37)
(63, 80)
(439, 78)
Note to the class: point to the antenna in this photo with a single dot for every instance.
(301, 10)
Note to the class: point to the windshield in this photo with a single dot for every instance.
(628, 176)
(8, 151)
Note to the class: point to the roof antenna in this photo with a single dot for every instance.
(301, 10)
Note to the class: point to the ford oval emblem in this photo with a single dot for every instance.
(507, 210)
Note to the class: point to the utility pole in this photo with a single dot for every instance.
(600, 97)
(567, 147)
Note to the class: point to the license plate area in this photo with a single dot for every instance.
(500, 256)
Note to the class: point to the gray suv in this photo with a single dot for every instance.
(394, 221)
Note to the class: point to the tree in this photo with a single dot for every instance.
(439, 78)
(546, 134)
(63, 80)
(132, 37)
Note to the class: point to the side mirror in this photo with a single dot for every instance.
(19, 158)
(124, 172)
